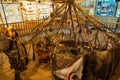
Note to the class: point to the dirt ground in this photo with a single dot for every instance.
(39, 73)
(42, 73)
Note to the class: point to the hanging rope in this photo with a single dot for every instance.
(77, 17)
(42, 26)
(92, 20)
(61, 26)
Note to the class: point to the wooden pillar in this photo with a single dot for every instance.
(17, 75)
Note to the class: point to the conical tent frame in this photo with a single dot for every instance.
(66, 11)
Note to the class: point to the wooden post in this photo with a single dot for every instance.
(33, 58)
(17, 75)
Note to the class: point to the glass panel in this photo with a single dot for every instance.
(118, 10)
(105, 8)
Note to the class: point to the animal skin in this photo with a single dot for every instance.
(43, 56)
(100, 65)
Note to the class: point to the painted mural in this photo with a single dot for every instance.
(29, 10)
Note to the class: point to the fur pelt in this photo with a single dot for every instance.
(69, 72)
(100, 65)
(15, 50)
(43, 56)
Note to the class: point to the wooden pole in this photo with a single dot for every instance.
(17, 75)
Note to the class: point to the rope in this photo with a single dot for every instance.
(92, 20)
(77, 16)
(64, 17)
(42, 27)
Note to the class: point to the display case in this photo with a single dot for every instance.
(105, 8)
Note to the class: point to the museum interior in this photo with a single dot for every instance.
(59, 39)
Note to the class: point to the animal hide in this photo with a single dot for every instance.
(77, 68)
(93, 65)
(43, 55)
(22, 50)
(100, 64)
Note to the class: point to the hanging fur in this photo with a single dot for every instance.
(100, 65)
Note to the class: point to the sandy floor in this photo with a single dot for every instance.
(37, 73)
(33, 73)
(41, 73)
